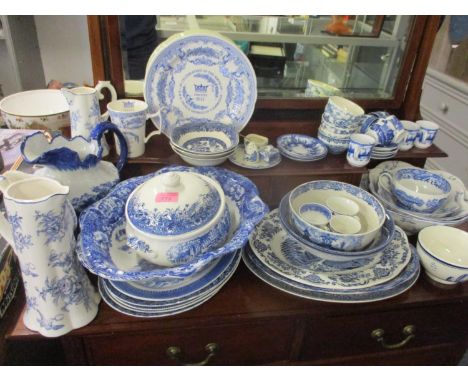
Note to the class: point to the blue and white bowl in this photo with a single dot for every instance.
(102, 225)
(371, 214)
(342, 112)
(379, 243)
(443, 254)
(337, 132)
(335, 145)
(205, 138)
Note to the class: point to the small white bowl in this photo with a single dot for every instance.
(444, 253)
(342, 205)
(345, 224)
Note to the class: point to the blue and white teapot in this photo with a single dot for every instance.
(76, 163)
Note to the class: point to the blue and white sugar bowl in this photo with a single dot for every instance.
(175, 217)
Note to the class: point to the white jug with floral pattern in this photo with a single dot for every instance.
(85, 113)
(40, 228)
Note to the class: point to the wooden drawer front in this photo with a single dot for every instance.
(446, 107)
(351, 335)
(237, 345)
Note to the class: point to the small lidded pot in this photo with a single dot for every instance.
(175, 217)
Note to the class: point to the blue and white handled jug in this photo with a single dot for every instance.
(40, 228)
(76, 163)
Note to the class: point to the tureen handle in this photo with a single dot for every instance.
(99, 131)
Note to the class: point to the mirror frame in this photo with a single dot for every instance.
(106, 56)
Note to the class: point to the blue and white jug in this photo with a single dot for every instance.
(40, 228)
(84, 109)
(76, 163)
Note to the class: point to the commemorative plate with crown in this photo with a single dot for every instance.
(200, 76)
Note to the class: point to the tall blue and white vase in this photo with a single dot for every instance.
(40, 226)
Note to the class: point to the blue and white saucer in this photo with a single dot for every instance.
(301, 147)
(200, 76)
(392, 288)
(277, 250)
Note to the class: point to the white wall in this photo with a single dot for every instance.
(65, 51)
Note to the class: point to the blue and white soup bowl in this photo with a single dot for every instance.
(443, 254)
(173, 218)
(360, 149)
(371, 214)
(426, 135)
(335, 145)
(419, 190)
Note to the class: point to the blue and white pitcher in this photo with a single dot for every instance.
(40, 228)
(76, 163)
(84, 109)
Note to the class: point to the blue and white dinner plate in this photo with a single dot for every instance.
(392, 288)
(200, 76)
(301, 147)
(158, 291)
(286, 256)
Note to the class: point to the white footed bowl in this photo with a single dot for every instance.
(444, 253)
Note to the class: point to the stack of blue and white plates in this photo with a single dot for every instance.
(288, 258)
(302, 148)
(136, 287)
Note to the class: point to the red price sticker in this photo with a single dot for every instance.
(167, 197)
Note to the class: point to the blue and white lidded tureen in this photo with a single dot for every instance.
(174, 214)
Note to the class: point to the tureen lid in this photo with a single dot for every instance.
(174, 203)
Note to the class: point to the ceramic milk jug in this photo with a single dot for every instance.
(76, 163)
(40, 226)
(84, 109)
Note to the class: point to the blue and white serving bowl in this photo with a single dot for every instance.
(176, 217)
(102, 244)
(342, 112)
(335, 145)
(371, 214)
(205, 138)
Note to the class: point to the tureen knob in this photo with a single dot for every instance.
(171, 180)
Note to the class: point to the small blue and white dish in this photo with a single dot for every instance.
(242, 159)
(301, 147)
(102, 243)
(335, 145)
(315, 214)
(371, 214)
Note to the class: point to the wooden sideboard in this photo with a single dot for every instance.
(248, 322)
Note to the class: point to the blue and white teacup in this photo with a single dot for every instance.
(130, 116)
(426, 135)
(269, 154)
(411, 132)
(360, 149)
(418, 190)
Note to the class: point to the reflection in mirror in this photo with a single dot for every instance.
(293, 57)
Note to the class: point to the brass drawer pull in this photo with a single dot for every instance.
(174, 353)
(408, 331)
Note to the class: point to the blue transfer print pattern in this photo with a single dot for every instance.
(22, 241)
(301, 146)
(52, 225)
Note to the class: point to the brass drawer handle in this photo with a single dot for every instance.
(408, 331)
(175, 353)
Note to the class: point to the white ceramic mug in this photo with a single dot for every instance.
(130, 116)
(411, 132)
(426, 135)
(360, 150)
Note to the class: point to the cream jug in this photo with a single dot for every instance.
(40, 228)
(85, 113)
